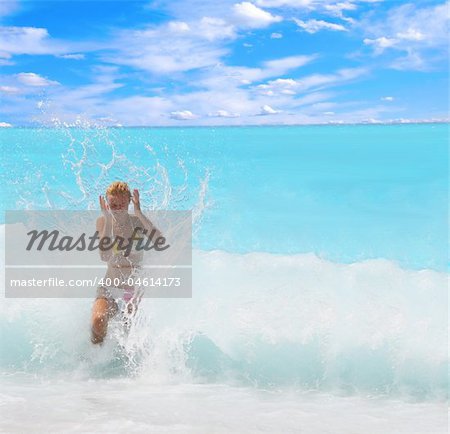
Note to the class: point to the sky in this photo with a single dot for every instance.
(197, 62)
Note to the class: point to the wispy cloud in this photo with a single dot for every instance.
(412, 29)
(35, 80)
(298, 4)
(27, 40)
(8, 8)
(173, 47)
(224, 114)
(75, 56)
(292, 86)
(195, 65)
(380, 44)
(276, 35)
(313, 26)
(267, 110)
(31, 41)
(9, 89)
(183, 115)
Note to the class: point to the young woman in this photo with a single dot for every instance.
(122, 265)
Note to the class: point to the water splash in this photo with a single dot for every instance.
(90, 155)
(277, 321)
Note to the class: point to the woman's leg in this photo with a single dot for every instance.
(102, 311)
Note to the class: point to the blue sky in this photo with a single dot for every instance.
(223, 63)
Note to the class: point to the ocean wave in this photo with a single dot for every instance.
(259, 319)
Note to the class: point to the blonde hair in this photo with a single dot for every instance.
(118, 187)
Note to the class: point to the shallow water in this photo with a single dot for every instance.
(124, 405)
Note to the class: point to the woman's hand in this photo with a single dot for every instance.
(136, 201)
(104, 207)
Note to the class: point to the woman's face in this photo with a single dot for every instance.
(118, 202)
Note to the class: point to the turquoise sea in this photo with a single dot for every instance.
(346, 193)
(320, 283)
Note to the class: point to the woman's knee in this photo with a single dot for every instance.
(99, 319)
(99, 328)
(100, 312)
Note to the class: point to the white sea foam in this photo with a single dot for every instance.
(124, 405)
(257, 319)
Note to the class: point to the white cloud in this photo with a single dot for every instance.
(329, 113)
(9, 89)
(4, 62)
(313, 5)
(27, 40)
(225, 114)
(32, 79)
(173, 47)
(178, 26)
(183, 115)
(137, 110)
(286, 86)
(267, 110)
(290, 3)
(209, 28)
(217, 106)
(313, 26)
(328, 7)
(215, 29)
(413, 60)
(411, 35)
(221, 98)
(37, 41)
(217, 93)
(93, 102)
(105, 81)
(165, 57)
(381, 43)
(312, 100)
(5, 125)
(413, 29)
(340, 77)
(74, 56)
(387, 98)
(285, 64)
(67, 102)
(233, 77)
(289, 86)
(8, 7)
(276, 36)
(337, 8)
(324, 105)
(251, 16)
(107, 120)
(180, 46)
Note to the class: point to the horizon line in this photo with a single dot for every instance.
(321, 124)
